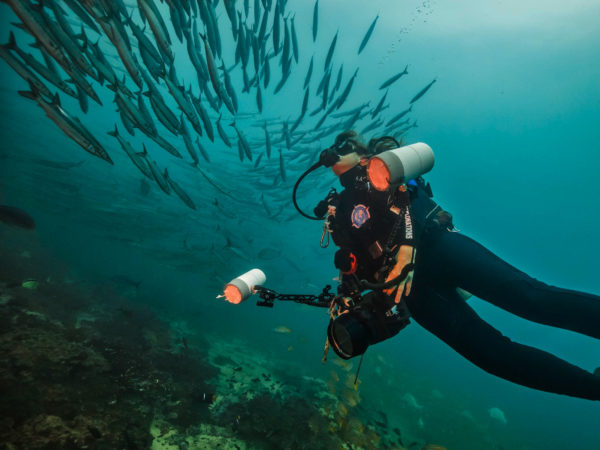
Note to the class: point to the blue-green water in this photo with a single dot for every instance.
(513, 121)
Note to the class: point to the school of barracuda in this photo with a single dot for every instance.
(80, 46)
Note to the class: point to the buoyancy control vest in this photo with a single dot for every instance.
(368, 224)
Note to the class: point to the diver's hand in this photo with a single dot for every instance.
(406, 255)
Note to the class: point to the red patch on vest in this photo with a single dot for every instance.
(360, 215)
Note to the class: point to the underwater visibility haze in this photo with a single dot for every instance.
(149, 150)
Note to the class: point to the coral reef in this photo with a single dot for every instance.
(82, 366)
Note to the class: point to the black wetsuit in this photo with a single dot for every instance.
(447, 260)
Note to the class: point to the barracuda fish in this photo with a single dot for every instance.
(240, 150)
(180, 97)
(146, 114)
(368, 35)
(82, 14)
(276, 28)
(62, 31)
(352, 111)
(37, 27)
(373, 125)
(399, 116)
(325, 92)
(266, 72)
(338, 80)
(286, 134)
(379, 106)
(156, 68)
(285, 54)
(203, 72)
(259, 102)
(256, 13)
(122, 88)
(133, 113)
(162, 111)
(179, 191)
(256, 53)
(83, 100)
(331, 50)
(215, 26)
(349, 124)
(71, 126)
(79, 80)
(143, 41)
(321, 120)
(177, 18)
(309, 72)
(22, 69)
(229, 87)
(99, 61)
(303, 110)
(282, 167)
(267, 141)
(230, 10)
(188, 141)
(294, 38)
(149, 11)
(263, 26)
(346, 91)
(214, 101)
(193, 52)
(119, 40)
(401, 132)
(204, 117)
(242, 140)
(422, 92)
(240, 49)
(324, 80)
(133, 155)
(126, 121)
(284, 78)
(298, 139)
(202, 150)
(394, 78)
(315, 20)
(257, 162)
(166, 145)
(156, 173)
(210, 62)
(222, 133)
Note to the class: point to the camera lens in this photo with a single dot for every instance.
(343, 339)
(348, 336)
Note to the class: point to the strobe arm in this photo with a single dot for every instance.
(268, 297)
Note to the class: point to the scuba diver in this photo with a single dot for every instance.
(394, 239)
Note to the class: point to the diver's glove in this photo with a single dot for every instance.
(406, 255)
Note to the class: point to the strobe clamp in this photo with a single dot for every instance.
(268, 297)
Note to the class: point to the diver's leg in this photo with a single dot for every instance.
(461, 260)
(445, 314)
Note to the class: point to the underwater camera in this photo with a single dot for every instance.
(355, 323)
(373, 319)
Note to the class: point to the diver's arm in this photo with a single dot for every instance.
(404, 240)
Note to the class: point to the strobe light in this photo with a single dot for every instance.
(242, 287)
(399, 165)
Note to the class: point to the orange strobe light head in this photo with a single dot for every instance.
(242, 287)
(399, 165)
